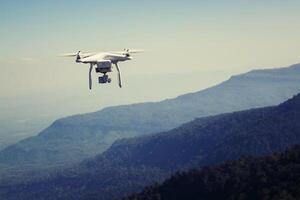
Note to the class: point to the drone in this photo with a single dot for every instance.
(104, 62)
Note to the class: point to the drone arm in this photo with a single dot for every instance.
(119, 75)
(90, 76)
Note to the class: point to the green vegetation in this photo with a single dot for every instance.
(275, 177)
(131, 164)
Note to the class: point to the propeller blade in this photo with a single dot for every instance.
(82, 54)
(119, 75)
(135, 50)
(128, 51)
(90, 76)
(69, 54)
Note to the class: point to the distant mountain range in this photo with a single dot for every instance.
(72, 139)
(130, 164)
(271, 177)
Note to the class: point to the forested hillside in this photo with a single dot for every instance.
(131, 164)
(272, 177)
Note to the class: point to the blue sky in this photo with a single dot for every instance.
(190, 45)
(36, 28)
(178, 36)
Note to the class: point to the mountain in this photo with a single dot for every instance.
(130, 164)
(271, 177)
(17, 121)
(72, 139)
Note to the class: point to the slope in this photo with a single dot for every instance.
(75, 138)
(271, 177)
(130, 164)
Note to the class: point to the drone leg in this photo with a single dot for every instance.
(119, 75)
(90, 76)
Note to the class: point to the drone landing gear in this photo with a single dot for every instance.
(119, 75)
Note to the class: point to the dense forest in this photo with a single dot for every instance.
(275, 177)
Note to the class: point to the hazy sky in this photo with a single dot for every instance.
(179, 36)
(190, 45)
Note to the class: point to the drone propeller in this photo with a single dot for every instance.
(69, 54)
(133, 50)
(82, 54)
(129, 51)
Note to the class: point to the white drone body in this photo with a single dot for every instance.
(103, 62)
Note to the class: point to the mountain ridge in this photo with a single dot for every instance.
(130, 164)
(75, 138)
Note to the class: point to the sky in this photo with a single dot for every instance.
(178, 36)
(189, 45)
